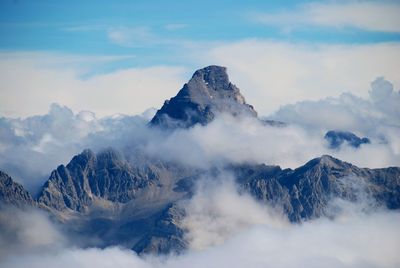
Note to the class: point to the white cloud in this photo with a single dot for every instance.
(271, 74)
(217, 212)
(238, 140)
(32, 81)
(365, 15)
(350, 240)
(348, 112)
(28, 231)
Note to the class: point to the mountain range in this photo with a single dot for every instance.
(107, 198)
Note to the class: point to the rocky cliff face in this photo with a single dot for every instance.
(208, 93)
(88, 176)
(12, 193)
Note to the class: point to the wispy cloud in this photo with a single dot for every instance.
(131, 36)
(365, 15)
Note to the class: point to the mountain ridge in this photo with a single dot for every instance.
(149, 222)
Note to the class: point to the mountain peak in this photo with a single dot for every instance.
(214, 76)
(206, 94)
(327, 161)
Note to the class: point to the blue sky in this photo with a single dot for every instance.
(154, 30)
(89, 40)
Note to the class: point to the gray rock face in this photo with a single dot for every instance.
(107, 200)
(305, 192)
(12, 193)
(88, 176)
(208, 93)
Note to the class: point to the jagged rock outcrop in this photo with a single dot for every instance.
(12, 193)
(208, 93)
(337, 138)
(88, 176)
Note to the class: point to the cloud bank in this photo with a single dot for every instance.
(217, 212)
(79, 82)
(236, 231)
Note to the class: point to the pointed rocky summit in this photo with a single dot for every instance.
(207, 93)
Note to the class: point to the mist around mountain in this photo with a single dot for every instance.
(203, 182)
